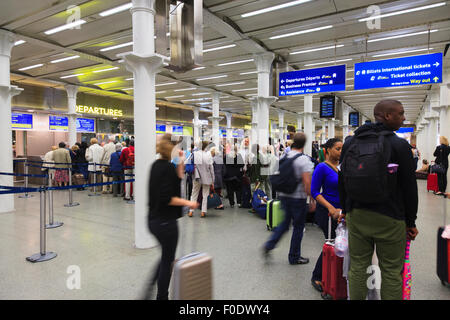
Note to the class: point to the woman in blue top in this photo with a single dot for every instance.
(325, 178)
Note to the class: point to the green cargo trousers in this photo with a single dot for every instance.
(366, 229)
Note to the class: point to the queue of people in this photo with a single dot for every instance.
(113, 161)
(367, 184)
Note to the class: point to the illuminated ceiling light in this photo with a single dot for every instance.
(31, 67)
(106, 82)
(251, 72)
(159, 92)
(116, 10)
(128, 79)
(238, 90)
(64, 59)
(128, 89)
(278, 7)
(186, 89)
(401, 52)
(201, 94)
(318, 49)
(219, 48)
(234, 62)
(230, 84)
(230, 101)
(72, 75)
(103, 70)
(403, 35)
(65, 27)
(214, 77)
(174, 97)
(165, 84)
(19, 42)
(300, 32)
(403, 12)
(198, 68)
(117, 46)
(319, 63)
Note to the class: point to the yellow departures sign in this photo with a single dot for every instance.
(100, 111)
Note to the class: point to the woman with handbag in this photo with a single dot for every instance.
(203, 177)
(441, 153)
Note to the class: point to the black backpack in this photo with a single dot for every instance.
(285, 181)
(364, 167)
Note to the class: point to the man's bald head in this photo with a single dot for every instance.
(389, 112)
(385, 107)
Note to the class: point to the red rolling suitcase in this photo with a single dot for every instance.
(333, 283)
(432, 182)
(443, 253)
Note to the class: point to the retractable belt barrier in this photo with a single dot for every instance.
(43, 255)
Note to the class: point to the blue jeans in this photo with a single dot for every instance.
(295, 210)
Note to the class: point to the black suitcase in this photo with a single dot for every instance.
(443, 253)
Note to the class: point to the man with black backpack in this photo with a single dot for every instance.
(378, 191)
(293, 185)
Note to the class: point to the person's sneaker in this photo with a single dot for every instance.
(301, 260)
(203, 215)
(191, 214)
(231, 205)
(266, 254)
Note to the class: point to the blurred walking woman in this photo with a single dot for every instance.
(325, 178)
(165, 204)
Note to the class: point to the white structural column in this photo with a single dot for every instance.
(281, 126)
(299, 122)
(433, 122)
(444, 106)
(330, 128)
(324, 131)
(72, 112)
(308, 119)
(144, 64)
(264, 100)
(229, 116)
(345, 125)
(215, 119)
(254, 124)
(197, 125)
(6, 93)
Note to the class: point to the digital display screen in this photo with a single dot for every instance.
(353, 119)
(160, 128)
(327, 106)
(85, 125)
(177, 130)
(58, 123)
(21, 120)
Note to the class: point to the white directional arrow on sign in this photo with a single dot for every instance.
(436, 64)
(436, 79)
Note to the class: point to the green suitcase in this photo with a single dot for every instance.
(275, 214)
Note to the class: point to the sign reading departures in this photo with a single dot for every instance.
(328, 79)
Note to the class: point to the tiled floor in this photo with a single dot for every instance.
(98, 236)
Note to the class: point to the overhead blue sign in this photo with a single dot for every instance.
(58, 123)
(353, 119)
(405, 130)
(328, 79)
(177, 130)
(21, 121)
(85, 125)
(409, 71)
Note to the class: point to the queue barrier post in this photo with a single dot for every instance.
(51, 224)
(26, 195)
(43, 255)
(71, 203)
(94, 194)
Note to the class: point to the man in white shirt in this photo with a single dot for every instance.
(108, 150)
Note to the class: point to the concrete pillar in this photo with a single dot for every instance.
(324, 132)
(254, 123)
(263, 63)
(229, 116)
(281, 126)
(6, 93)
(299, 122)
(345, 125)
(215, 119)
(308, 119)
(72, 112)
(197, 126)
(444, 106)
(145, 64)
